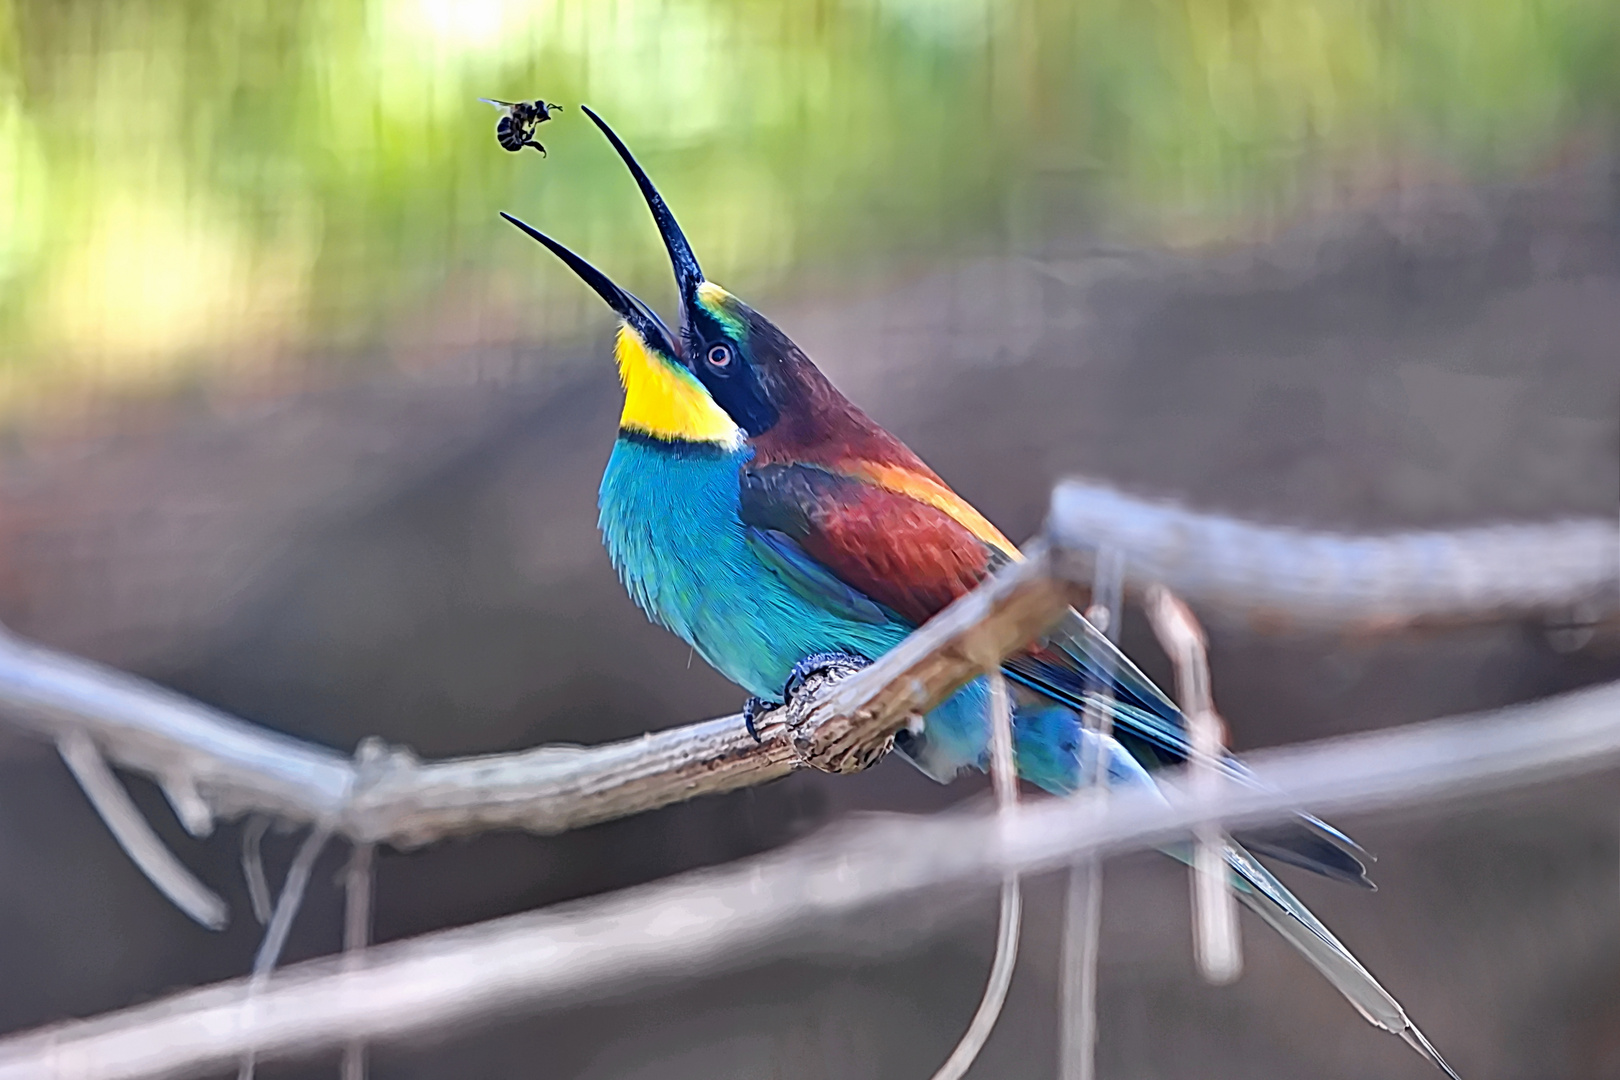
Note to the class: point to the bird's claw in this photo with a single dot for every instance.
(753, 709)
(829, 663)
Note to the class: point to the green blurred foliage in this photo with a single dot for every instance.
(192, 184)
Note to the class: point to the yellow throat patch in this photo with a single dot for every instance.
(664, 401)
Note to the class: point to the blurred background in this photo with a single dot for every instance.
(291, 421)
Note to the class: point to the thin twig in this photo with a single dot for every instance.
(290, 900)
(1215, 926)
(1004, 778)
(357, 887)
(231, 764)
(1077, 994)
(717, 920)
(130, 828)
(275, 938)
(1009, 917)
(189, 807)
(1003, 769)
(1278, 576)
(1082, 912)
(258, 886)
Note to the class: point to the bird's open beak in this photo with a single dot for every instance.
(640, 318)
(688, 276)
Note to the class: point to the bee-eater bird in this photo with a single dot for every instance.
(763, 518)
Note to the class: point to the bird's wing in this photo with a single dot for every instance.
(810, 579)
(911, 557)
(909, 543)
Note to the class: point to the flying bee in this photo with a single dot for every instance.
(515, 129)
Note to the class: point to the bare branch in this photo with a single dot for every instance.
(290, 900)
(213, 765)
(1004, 778)
(188, 806)
(232, 764)
(1082, 915)
(720, 919)
(258, 886)
(135, 835)
(357, 887)
(553, 789)
(1283, 576)
(1009, 920)
(275, 935)
(391, 797)
(1215, 926)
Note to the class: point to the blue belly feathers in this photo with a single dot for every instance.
(669, 520)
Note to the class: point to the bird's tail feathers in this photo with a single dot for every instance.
(1075, 660)
(1284, 913)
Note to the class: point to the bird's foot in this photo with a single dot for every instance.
(821, 667)
(835, 665)
(812, 743)
(753, 709)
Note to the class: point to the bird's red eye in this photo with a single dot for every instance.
(720, 355)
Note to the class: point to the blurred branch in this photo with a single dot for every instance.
(1215, 927)
(228, 766)
(357, 888)
(286, 910)
(258, 886)
(713, 920)
(233, 765)
(1280, 576)
(1004, 779)
(1082, 918)
(123, 819)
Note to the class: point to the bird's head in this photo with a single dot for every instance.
(662, 399)
(726, 352)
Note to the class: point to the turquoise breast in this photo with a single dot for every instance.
(670, 523)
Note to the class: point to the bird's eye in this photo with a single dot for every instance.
(719, 356)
